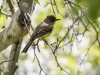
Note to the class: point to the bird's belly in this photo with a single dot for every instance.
(46, 35)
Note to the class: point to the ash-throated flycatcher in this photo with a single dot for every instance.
(43, 30)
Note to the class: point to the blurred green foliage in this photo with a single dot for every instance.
(92, 6)
(69, 62)
(37, 1)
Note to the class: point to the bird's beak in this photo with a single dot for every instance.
(57, 19)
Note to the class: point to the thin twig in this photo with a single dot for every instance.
(87, 52)
(6, 61)
(39, 64)
(10, 6)
(2, 70)
(2, 12)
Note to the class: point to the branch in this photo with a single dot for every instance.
(5, 61)
(41, 69)
(2, 12)
(58, 65)
(10, 6)
(15, 31)
(12, 65)
(12, 33)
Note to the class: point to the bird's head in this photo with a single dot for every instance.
(51, 19)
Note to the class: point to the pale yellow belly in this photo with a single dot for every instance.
(46, 35)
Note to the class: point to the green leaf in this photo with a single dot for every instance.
(37, 2)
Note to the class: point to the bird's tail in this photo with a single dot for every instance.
(28, 44)
(26, 47)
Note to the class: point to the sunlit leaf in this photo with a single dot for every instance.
(37, 1)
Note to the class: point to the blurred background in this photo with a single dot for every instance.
(78, 53)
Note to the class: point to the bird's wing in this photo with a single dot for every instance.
(39, 31)
(43, 29)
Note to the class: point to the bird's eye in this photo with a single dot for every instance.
(52, 19)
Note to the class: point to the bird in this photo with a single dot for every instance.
(43, 30)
